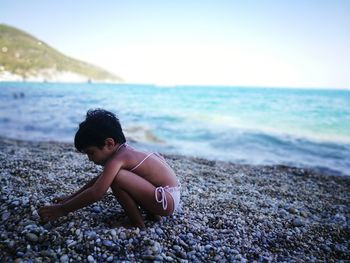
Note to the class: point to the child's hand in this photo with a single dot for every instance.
(51, 212)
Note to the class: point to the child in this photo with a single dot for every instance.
(136, 178)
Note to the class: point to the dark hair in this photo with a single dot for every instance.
(96, 128)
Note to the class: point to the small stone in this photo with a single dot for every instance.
(35, 216)
(110, 259)
(183, 244)
(32, 237)
(292, 210)
(339, 217)
(326, 248)
(122, 235)
(90, 234)
(71, 243)
(19, 254)
(297, 222)
(158, 258)
(182, 254)
(113, 233)
(137, 231)
(96, 209)
(10, 244)
(156, 248)
(159, 231)
(340, 248)
(177, 248)
(107, 243)
(64, 258)
(90, 259)
(217, 258)
(5, 216)
(48, 253)
(208, 247)
(15, 203)
(303, 214)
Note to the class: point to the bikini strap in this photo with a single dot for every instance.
(133, 169)
(120, 146)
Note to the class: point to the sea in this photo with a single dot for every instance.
(308, 128)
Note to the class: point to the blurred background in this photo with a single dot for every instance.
(257, 82)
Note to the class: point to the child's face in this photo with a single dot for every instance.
(97, 155)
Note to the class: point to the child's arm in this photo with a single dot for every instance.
(86, 197)
(63, 199)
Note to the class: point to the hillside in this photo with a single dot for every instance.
(24, 57)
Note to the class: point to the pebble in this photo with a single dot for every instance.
(159, 231)
(107, 243)
(71, 243)
(208, 247)
(96, 209)
(15, 203)
(64, 258)
(182, 254)
(90, 259)
(5, 216)
(48, 253)
(90, 235)
(297, 222)
(177, 248)
(122, 235)
(32, 237)
(292, 210)
(113, 233)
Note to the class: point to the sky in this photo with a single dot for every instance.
(270, 43)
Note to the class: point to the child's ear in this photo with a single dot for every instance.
(110, 143)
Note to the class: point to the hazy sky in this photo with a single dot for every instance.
(294, 43)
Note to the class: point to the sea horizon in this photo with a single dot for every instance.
(166, 85)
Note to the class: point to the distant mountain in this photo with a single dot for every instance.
(24, 57)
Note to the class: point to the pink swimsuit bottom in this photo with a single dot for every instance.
(174, 191)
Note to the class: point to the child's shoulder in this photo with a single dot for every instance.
(123, 156)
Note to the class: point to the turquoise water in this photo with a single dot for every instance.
(305, 128)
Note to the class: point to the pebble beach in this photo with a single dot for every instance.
(230, 213)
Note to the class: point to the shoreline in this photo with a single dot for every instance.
(230, 212)
(140, 143)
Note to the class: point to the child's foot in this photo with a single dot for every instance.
(153, 217)
(123, 222)
(112, 220)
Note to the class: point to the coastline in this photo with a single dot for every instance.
(230, 212)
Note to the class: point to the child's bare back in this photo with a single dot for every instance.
(150, 166)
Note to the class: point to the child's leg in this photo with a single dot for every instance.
(132, 190)
(129, 205)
